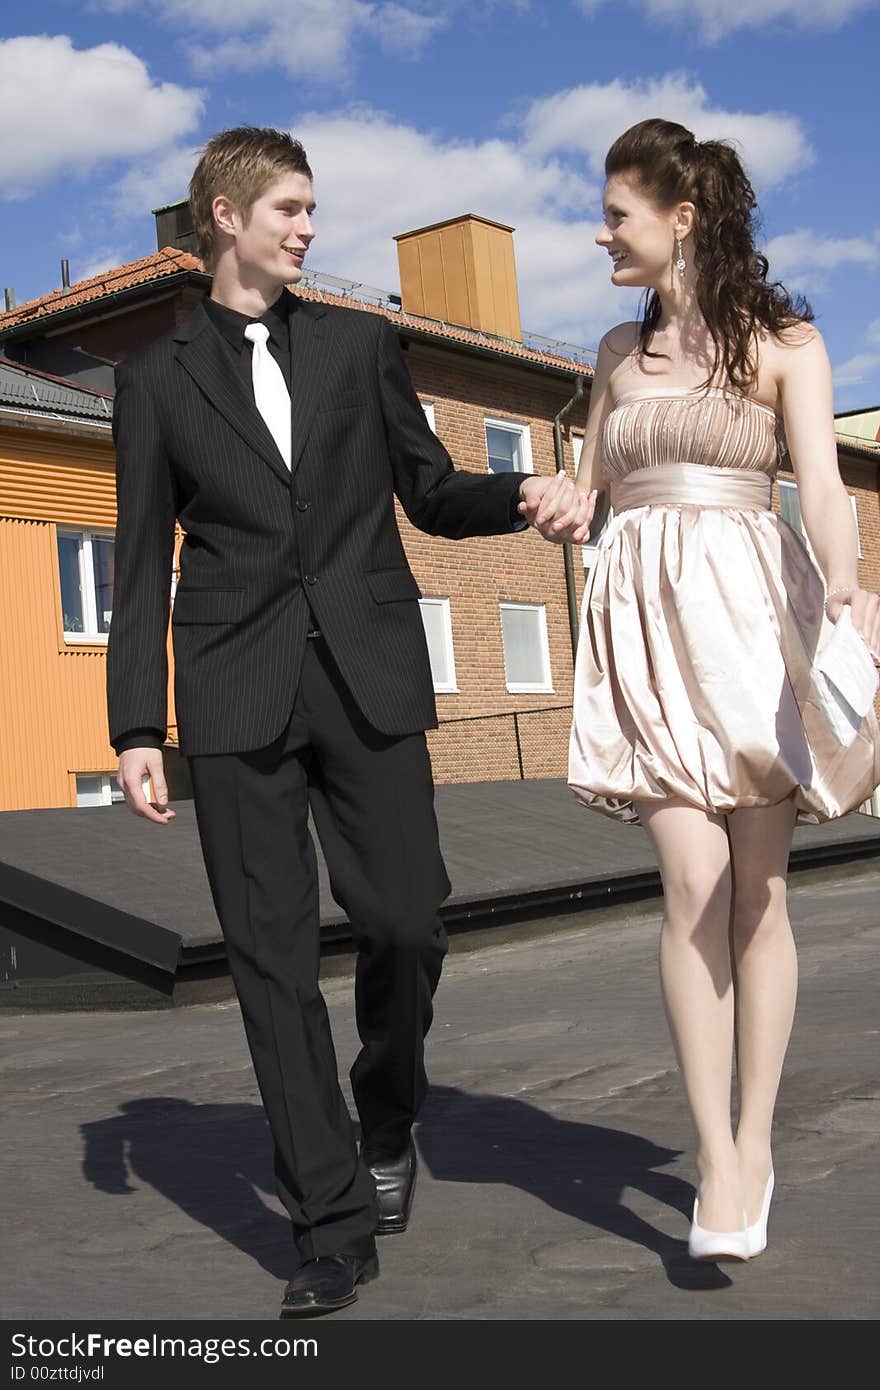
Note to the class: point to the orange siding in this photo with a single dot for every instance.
(36, 486)
(53, 711)
(52, 705)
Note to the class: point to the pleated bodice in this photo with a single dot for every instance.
(716, 428)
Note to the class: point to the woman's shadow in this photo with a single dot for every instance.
(212, 1161)
(579, 1169)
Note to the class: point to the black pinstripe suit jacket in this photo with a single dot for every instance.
(264, 544)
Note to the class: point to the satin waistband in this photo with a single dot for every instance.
(691, 485)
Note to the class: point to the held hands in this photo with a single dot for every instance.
(556, 508)
(865, 613)
(134, 765)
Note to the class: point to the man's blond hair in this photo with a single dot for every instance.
(239, 164)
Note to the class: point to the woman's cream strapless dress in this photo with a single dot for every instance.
(700, 623)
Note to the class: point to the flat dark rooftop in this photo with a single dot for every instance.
(502, 841)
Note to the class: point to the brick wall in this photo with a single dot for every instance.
(477, 575)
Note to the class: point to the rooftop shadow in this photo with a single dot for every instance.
(579, 1169)
(212, 1161)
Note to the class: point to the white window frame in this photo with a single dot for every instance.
(512, 427)
(450, 686)
(530, 687)
(855, 512)
(86, 580)
(588, 549)
(107, 782)
(428, 408)
(791, 483)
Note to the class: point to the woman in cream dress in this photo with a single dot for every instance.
(693, 712)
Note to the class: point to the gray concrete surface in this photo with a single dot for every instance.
(556, 1177)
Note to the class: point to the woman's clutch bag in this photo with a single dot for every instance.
(845, 679)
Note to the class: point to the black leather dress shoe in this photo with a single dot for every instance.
(327, 1283)
(395, 1180)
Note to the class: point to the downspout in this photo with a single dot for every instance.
(568, 559)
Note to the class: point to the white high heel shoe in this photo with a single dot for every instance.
(716, 1245)
(756, 1234)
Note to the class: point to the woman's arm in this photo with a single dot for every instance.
(576, 511)
(804, 379)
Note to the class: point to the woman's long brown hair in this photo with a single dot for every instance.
(670, 166)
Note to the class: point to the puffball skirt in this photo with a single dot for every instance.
(700, 623)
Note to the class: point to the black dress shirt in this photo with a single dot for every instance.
(231, 325)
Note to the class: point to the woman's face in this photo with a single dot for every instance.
(638, 236)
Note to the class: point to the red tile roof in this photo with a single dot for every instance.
(170, 261)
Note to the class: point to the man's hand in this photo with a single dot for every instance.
(556, 508)
(134, 765)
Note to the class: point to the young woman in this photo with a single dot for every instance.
(692, 707)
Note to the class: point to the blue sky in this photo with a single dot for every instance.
(420, 110)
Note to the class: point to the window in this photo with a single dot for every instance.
(97, 789)
(855, 512)
(438, 630)
(526, 650)
(790, 510)
(509, 447)
(428, 408)
(588, 549)
(85, 561)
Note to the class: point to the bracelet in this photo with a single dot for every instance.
(842, 594)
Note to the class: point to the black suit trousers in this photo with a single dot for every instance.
(371, 797)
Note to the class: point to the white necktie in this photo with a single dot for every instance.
(270, 389)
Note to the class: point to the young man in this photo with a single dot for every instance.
(277, 430)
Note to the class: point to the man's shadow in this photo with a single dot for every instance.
(212, 1161)
(580, 1169)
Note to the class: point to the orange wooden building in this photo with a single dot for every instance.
(57, 514)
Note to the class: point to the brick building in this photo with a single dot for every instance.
(496, 610)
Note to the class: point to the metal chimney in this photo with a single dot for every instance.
(65, 277)
(9, 296)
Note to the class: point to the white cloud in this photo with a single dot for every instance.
(587, 120)
(856, 370)
(363, 201)
(152, 184)
(312, 39)
(66, 110)
(806, 259)
(103, 258)
(714, 19)
(403, 32)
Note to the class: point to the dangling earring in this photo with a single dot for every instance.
(681, 263)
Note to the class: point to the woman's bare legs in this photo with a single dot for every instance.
(765, 965)
(695, 971)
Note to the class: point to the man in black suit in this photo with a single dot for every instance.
(277, 430)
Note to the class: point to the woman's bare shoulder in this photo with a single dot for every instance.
(799, 337)
(621, 340)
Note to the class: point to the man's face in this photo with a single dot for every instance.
(271, 248)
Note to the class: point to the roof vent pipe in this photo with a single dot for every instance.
(65, 277)
(9, 297)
